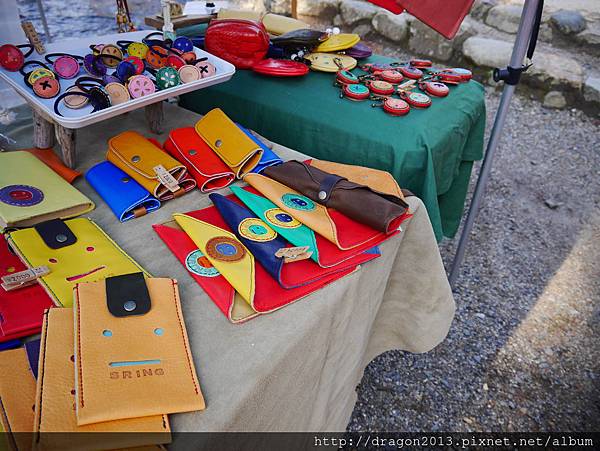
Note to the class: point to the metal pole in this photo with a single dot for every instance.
(44, 21)
(526, 26)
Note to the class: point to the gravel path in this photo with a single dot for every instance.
(523, 353)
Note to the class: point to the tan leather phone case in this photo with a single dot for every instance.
(55, 399)
(132, 354)
(17, 398)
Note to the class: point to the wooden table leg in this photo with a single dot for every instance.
(155, 117)
(66, 139)
(43, 131)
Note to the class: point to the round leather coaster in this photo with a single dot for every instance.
(197, 263)
(396, 107)
(435, 88)
(330, 62)
(391, 76)
(420, 63)
(346, 77)
(75, 102)
(112, 51)
(137, 62)
(21, 195)
(183, 44)
(117, 93)
(138, 49)
(167, 77)
(411, 72)
(93, 65)
(38, 73)
(417, 99)
(189, 73)
(139, 86)
(206, 69)
(280, 218)
(381, 87)
(356, 92)
(256, 230)
(11, 57)
(175, 61)
(298, 202)
(46, 87)
(66, 66)
(225, 249)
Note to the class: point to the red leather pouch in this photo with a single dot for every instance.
(241, 42)
(209, 171)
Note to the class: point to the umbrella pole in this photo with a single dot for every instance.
(44, 21)
(526, 34)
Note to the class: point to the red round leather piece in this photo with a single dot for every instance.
(435, 88)
(420, 63)
(396, 107)
(380, 87)
(411, 72)
(280, 68)
(46, 87)
(189, 57)
(391, 76)
(175, 61)
(448, 76)
(417, 99)
(356, 92)
(11, 57)
(137, 62)
(465, 74)
(346, 77)
(243, 43)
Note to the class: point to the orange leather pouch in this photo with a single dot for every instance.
(132, 354)
(53, 162)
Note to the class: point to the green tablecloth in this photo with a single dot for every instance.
(430, 151)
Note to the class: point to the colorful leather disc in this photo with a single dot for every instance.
(137, 62)
(356, 92)
(38, 73)
(298, 202)
(346, 77)
(117, 93)
(338, 42)
(206, 69)
(112, 51)
(435, 88)
(256, 230)
(280, 68)
(46, 87)
(66, 66)
(11, 57)
(381, 87)
(175, 61)
(280, 218)
(157, 56)
(183, 44)
(418, 100)
(93, 65)
(391, 76)
(75, 102)
(420, 63)
(138, 49)
(449, 76)
(21, 195)
(139, 86)
(225, 249)
(396, 107)
(197, 263)
(328, 62)
(411, 72)
(189, 73)
(189, 57)
(167, 77)
(465, 74)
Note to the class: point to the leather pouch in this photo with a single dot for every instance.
(17, 399)
(55, 398)
(126, 198)
(268, 158)
(331, 224)
(75, 251)
(53, 162)
(385, 213)
(132, 354)
(142, 160)
(231, 144)
(209, 171)
(303, 38)
(241, 42)
(31, 192)
(21, 309)
(274, 23)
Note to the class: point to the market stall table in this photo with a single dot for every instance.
(430, 151)
(295, 369)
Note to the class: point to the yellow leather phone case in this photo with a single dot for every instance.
(17, 398)
(55, 399)
(132, 354)
(92, 256)
(376, 179)
(138, 157)
(230, 143)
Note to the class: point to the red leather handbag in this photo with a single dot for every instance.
(241, 42)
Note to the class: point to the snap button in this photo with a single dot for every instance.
(61, 238)
(193, 152)
(135, 159)
(218, 143)
(322, 195)
(125, 179)
(129, 306)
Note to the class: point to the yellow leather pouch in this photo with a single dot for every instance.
(55, 398)
(132, 355)
(17, 398)
(230, 143)
(338, 42)
(274, 23)
(74, 251)
(149, 165)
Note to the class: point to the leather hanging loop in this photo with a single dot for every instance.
(127, 295)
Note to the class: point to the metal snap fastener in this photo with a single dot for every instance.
(136, 158)
(125, 179)
(218, 143)
(130, 306)
(322, 195)
(61, 238)
(193, 152)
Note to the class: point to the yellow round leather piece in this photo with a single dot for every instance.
(138, 49)
(329, 62)
(338, 42)
(38, 73)
(112, 50)
(117, 93)
(75, 102)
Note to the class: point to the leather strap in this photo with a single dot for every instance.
(127, 295)
(56, 234)
(326, 187)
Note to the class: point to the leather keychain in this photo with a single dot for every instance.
(345, 77)
(65, 65)
(355, 92)
(380, 87)
(411, 72)
(420, 63)
(456, 73)
(391, 76)
(416, 99)
(392, 106)
(434, 88)
(12, 57)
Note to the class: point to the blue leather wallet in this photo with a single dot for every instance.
(125, 197)
(269, 158)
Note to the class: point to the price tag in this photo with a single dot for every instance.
(23, 278)
(166, 178)
(293, 254)
(34, 38)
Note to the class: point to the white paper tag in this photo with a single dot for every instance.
(166, 178)
(23, 278)
(292, 254)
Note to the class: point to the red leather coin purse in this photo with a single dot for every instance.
(396, 107)
(391, 76)
(12, 57)
(280, 68)
(379, 87)
(243, 43)
(411, 72)
(355, 92)
(435, 88)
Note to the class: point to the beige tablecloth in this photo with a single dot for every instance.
(295, 369)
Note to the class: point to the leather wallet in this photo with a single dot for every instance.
(126, 198)
(53, 162)
(231, 144)
(243, 43)
(303, 38)
(209, 171)
(385, 213)
(274, 23)
(31, 192)
(17, 398)
(268, 158)
(21, 309)
(75, 251)
(132, 355)
(331, 224)
(55, 398)
(163, 176)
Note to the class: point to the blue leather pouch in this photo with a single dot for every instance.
(125, 197)
(269, 158)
